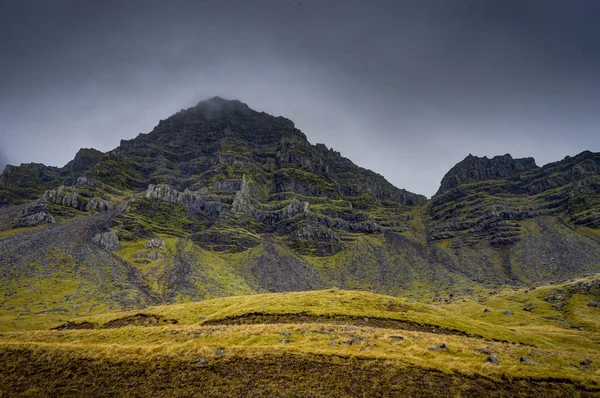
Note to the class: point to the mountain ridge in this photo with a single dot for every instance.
(219, 199)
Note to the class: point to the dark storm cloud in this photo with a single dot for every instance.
(406, 88)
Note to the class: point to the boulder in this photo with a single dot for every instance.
(438, 347)
(527, 361)
(491, 359)
(108, 241)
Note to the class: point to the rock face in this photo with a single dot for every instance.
(473, 169)
(198, 203)
(34, 214)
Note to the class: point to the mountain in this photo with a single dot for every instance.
(221, 200)
(506, 219)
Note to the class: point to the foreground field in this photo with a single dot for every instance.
(320, 343)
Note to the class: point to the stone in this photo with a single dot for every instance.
(201, 363)
(491, 359)
(508, 312)
(438, 347)
(527, 361)
(486, 310)
(354, 340)
(220, 352)
(155, 244)
(108, 241)
(332, 342)
(284, 341)
(396, 338)
(586, 363)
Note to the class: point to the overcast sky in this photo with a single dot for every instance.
(405, 88)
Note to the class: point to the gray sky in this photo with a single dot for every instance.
(405, 88)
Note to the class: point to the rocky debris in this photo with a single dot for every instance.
(529, 307)
(284, 341)
(220, 352)
(33, 214)
(491, 359)
(396, 338)
(558, 298)
(438, 347)
(354, 340)
(155, 244)
(585, 287)
(108, 241)
(527, 361)
(201, 363)
(586, 363)
(508, 312)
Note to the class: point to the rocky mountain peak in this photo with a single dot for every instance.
(216, 107)
(473, 168)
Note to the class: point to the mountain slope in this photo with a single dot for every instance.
(222, 200)
(508, 220)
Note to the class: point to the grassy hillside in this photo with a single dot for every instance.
(258, 344)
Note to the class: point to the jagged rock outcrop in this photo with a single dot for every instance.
(156, 244)
(69, 197)
(34, 214)
(473, 169)
(493, 208)
(211, 205)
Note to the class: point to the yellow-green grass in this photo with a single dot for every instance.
(557, 340)
(191, 342)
